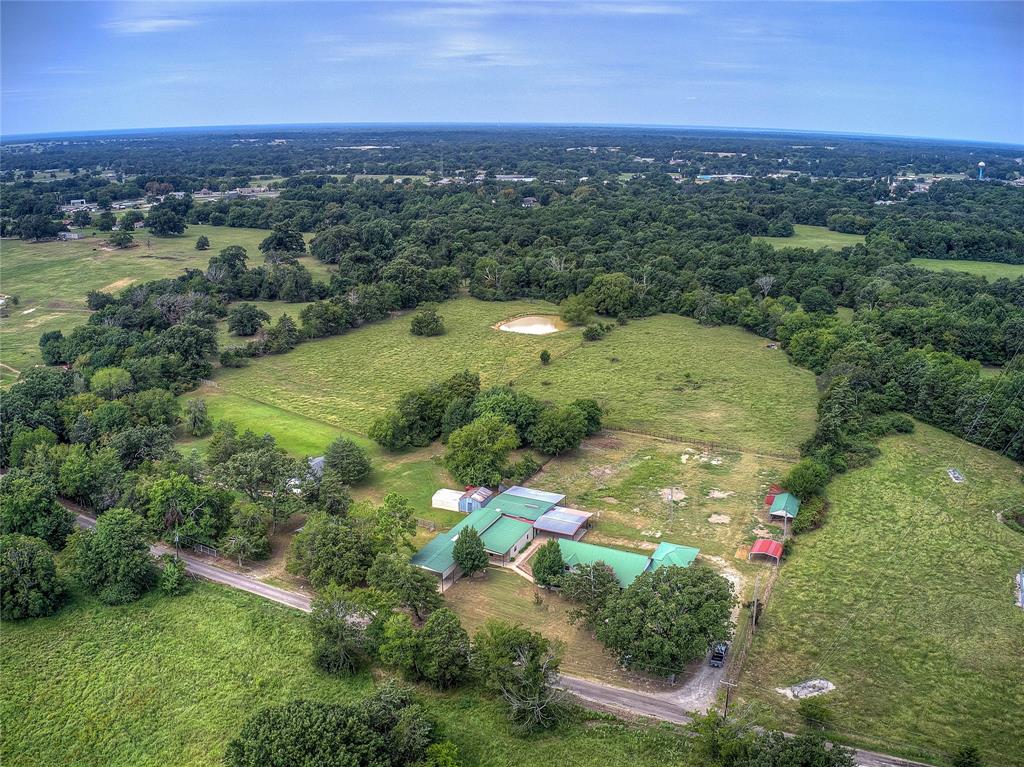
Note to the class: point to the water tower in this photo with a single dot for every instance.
(981, 170)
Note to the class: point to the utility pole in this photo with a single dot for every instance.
(753, 604)
(728, 697)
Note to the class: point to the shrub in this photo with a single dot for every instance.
(597, 331)
(811, 516)
(591, 414)
(558, 429)
(173, 579)
(520, 471)
(807, 479)
(576, 310)
(545, 357)
(427, 322)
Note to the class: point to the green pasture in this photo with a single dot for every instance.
(663, 374)
(51, 279)
(170, 680)
(905, 601)
(990, 270)
(814, 237)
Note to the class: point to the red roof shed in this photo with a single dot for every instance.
(766, 547)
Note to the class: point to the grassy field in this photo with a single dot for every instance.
(664, 374)
(52, 278)
(990, 270)
(815, 237)
(168, 681)
(904, 600)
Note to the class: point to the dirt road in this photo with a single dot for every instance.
(604, 697)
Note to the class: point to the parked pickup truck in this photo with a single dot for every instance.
(718, 652)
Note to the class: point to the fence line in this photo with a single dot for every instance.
(707, 445)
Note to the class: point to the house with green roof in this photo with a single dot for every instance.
(503, 536)
(509, 521)
(627, 565)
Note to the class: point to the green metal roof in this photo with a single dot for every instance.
(497, 532)
(481, 519)
(785, 504)
(627, 565)
(503, 534)
(517, 506)
(669, 554)
(436, 555)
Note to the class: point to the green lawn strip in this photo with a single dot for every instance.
(171, 680)
(991, 270)
(904, 600)
(805, 236)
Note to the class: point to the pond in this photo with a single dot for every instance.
(533, 325)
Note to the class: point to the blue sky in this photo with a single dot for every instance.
(952, 70)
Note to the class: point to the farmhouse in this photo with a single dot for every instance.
(509, 521)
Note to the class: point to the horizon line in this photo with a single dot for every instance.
(497, 124)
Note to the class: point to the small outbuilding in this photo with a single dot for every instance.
(446, 499)
(474, 499)
(766, 547)
(784, 506)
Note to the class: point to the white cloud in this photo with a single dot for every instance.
(469, 12)
(147, 26)
(476, 50)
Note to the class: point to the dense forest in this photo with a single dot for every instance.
(609, 243)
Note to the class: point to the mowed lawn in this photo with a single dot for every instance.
(905, 601)
(168, 681)
(662, 374)
(805, 236)
(990, 270)
(51, 279)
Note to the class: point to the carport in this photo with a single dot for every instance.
(766, 547)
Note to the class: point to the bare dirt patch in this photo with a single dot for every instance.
(40, 319)
(807, 689)
(719, 519)
(124, 282)
(672, 494)
(717, 494)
